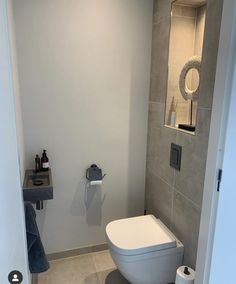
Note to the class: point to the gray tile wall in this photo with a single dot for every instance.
(176, 197)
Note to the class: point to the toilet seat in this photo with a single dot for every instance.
(139, 235)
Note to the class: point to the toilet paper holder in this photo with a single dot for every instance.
(185, 275)
(94, 178)
(94, 174)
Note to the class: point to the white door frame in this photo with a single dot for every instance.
(219, 122)
(13, 246)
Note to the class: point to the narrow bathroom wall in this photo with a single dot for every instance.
(16, 90)
(176, 196)
(13, 245)
(84, 70)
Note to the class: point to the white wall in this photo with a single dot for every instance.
(224, 245)
(12, 228)
(84, 78)
(15, 75)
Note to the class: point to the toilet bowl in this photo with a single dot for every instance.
(144, 250)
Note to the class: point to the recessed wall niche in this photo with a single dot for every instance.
(184, 65)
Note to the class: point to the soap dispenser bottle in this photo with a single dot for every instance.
(37, 164)
(44, 161)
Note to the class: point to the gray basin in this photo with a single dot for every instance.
(37, 186)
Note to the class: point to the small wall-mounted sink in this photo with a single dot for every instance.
(37, 186)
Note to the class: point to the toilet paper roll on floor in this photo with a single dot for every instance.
(185, 275)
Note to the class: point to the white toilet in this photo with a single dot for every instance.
(144, 250)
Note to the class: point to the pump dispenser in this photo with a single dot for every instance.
(37, 164)
(44, 161)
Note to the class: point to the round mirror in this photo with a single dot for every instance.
(189, 80)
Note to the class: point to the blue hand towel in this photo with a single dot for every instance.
(37, 259)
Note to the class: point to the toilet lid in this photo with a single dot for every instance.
(139, 235)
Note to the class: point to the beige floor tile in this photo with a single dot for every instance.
(106, 269)
(76, 270)
(103, 261)
(93, 268)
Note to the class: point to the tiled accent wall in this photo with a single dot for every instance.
(176, 196)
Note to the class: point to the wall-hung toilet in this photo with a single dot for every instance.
(144, 250)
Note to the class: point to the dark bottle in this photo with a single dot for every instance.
(37, 164)
(44, 161)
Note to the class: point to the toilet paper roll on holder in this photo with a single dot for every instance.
(94, 175)
(185, 275)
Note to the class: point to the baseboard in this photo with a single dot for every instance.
(76, 252)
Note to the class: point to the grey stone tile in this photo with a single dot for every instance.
(161, 10)
(186, 200)
(156, 114)
(203, 125)
(159, 69)
(158, 88)
(186, 222)
(158, 154)
(149, 140)
(159, 198)
(190, 179)
(73, 270)
(210, 51)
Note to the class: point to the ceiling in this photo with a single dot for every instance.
(194, 3)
